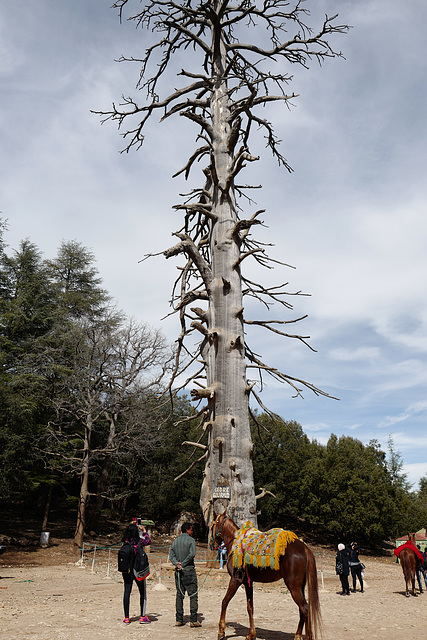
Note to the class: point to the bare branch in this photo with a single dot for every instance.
(245, 255)
(266, 324)
(263, 493)
(256, 363)
(195, 444)
(197, 155)
(187, 246)
(192, 465)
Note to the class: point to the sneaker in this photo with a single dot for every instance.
(126, 621)
(179, 623)
(195, 624)
(144, 620)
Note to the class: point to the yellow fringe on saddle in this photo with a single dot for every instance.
(261, 550)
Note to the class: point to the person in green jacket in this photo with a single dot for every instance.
(182, 555)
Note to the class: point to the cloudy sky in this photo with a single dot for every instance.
(350, 218)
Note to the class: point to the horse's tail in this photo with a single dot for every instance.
(314, 623)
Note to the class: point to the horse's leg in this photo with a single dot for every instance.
(250, 606)
(406, 574)
(414, 593)
(233, 585)
(299, 599)
(408, 587)
(413, 574)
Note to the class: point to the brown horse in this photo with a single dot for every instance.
(410, 563)
(297, 567)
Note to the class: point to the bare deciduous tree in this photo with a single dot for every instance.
(109, 366)
(226, 82)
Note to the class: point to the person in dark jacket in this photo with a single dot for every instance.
(182, 555)
(135, 535)
(422, 567)
(355, 566)
(342, 568)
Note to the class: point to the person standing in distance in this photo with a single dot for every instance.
(355, 566)
(342, 568)
(132, 536)
(182, 555)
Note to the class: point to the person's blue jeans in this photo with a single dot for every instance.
(423, 573)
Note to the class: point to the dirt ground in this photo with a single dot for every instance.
(51, 593)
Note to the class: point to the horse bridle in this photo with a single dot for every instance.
(219, 534)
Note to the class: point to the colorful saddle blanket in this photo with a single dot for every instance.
(261, 550)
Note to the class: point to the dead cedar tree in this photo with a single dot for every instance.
(238, 58)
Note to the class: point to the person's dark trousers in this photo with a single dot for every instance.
(128, 579)
(356, 571)
(186, 582)
(344, 583)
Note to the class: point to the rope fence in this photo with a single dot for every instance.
(325, 566)
(103, 559)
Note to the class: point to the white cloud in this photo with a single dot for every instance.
(411, 411)
(414, 472)
(364, 354)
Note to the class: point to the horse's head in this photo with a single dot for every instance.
(222, 529)
(215, 537)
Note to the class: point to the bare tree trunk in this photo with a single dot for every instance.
(102, 482)
(99, 500)
(47, 507)
(84, 487)
(126, 498)
(229, 463)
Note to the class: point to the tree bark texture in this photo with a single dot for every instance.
(229, 462)
(84, 485)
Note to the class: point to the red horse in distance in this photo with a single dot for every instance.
(410, 559)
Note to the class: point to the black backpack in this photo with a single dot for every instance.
(141, 568)
(125, 558)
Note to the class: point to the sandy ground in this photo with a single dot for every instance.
(45, 595)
